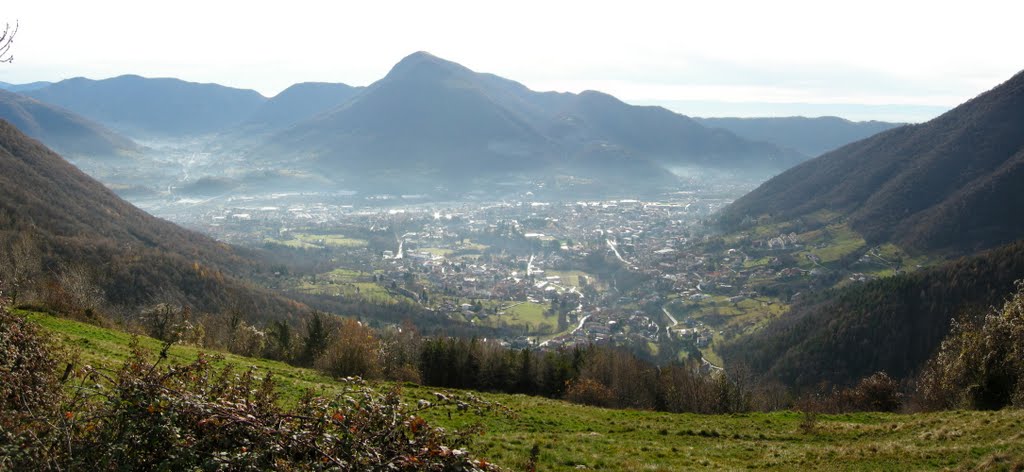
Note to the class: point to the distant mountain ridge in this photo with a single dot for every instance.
(300, 102)
(951, 185)
(433, 116)
(63, 130)
(810, 136)
(157, 107)
(23, 87)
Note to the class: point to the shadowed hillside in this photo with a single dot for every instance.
(135, 258)
(62, 130)
(810, 136)
(893, 324)
(951, 185)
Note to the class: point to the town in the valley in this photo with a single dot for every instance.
(653, 275)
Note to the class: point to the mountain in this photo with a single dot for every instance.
(951, 185)
(434, 117)
(68, 133)
(73, 220)
(426, 115)
(666, 136)
(300, 102)
(810, 136)
(153, 107)
(893, 324)
(23, 87)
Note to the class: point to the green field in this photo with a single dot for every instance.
(471, 246)
(838, 241)
(436, 251)
(529, 314)
(570, 278)
(570, 436)
(311, 241)
(728, 320)
(345, 283)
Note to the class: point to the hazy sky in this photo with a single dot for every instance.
(889, 59)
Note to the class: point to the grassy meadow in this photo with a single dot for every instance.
(574, 437)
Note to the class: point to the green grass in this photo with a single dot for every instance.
(838, 241)
(600, 439)
(523, 315)
(347, 283)
(729, 321)
(528, 311)
(311, 241)
(106, 348)
(436, 251)
(472, 246)
(570, 278)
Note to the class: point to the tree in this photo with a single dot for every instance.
(354, 350)
(20, 265)
(279, 346)
(980, 364)
(166, 321)
(6, 40)
(76, 292)
(315, 341)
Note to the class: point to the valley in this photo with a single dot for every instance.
(434, 267)
(651, 274)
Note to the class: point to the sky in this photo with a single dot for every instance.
(890, 60)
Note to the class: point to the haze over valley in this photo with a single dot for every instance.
(552, 250)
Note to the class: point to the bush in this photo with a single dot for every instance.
(980, 363)
(148, 416)
(876, 392)
(29, 393)
(590, 392)
(27, 368)
(353, 351)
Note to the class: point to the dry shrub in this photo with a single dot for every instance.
(590, 392)
(980, 364)
(354, 350)
(150, 416)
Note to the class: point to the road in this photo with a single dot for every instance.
(615, 250)
(668, 329)
(580, 326)
(711, 366)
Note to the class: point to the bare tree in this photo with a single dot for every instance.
(6, 40)
(78, 291)
(20, 266)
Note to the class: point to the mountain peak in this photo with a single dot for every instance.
(419, 55)
(424, 64)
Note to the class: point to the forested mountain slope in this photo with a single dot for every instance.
(951, 185)
(73, 221)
